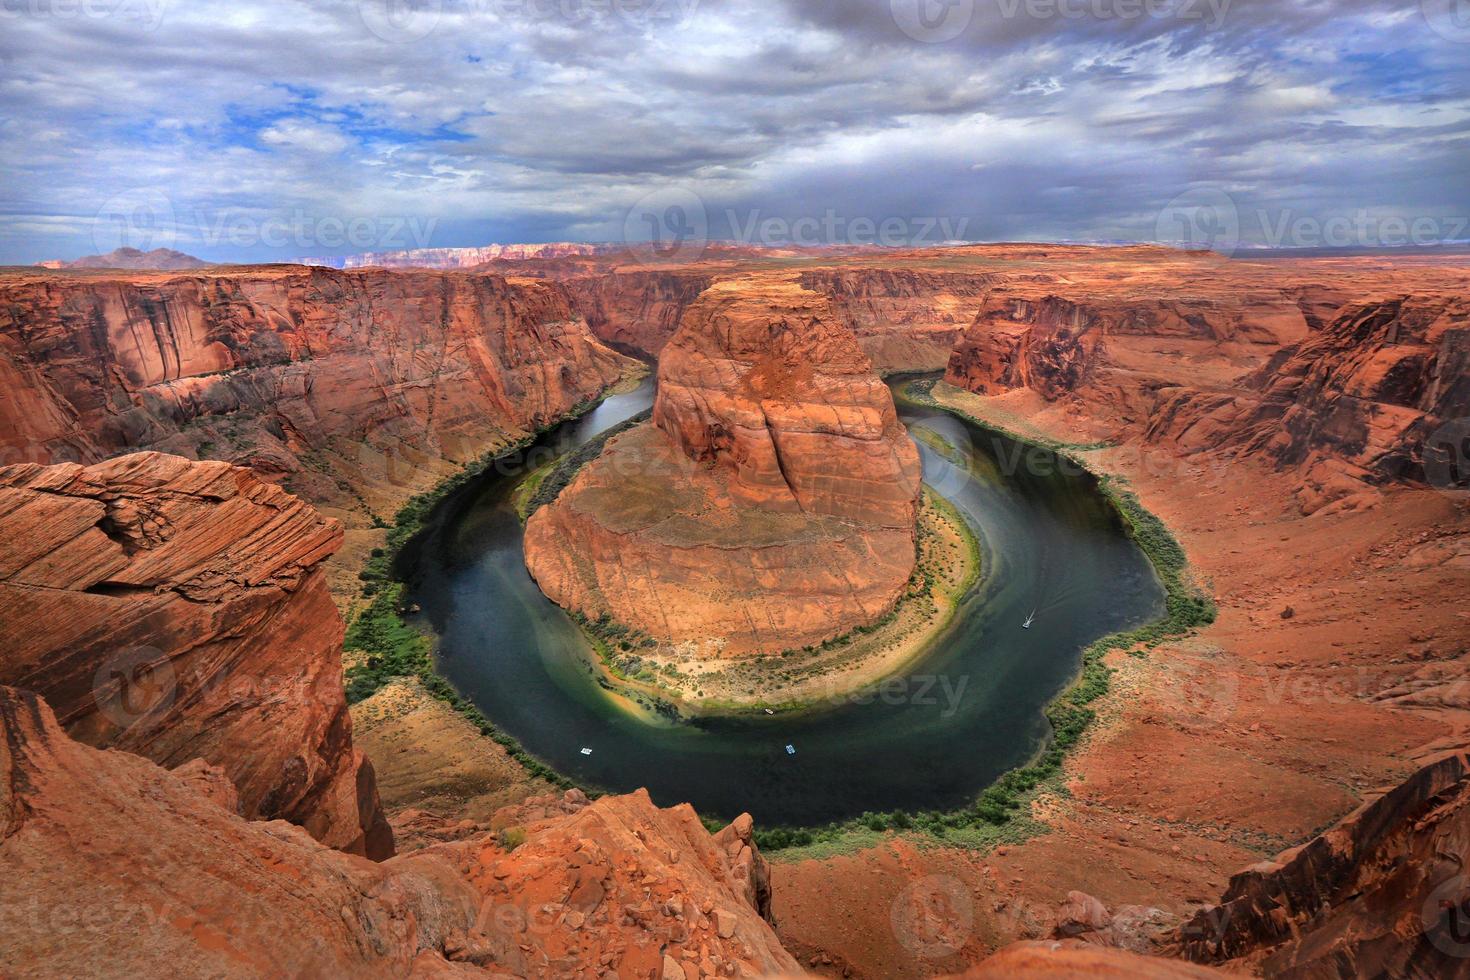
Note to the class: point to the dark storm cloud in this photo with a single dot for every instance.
(485, 120)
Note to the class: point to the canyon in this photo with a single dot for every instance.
(354, 389)
(1279, 416)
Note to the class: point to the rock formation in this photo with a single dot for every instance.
(179, 611)
(359, 388)
(1113, 344)
(116, 867)
(1383, 893)
(770, 504)
(1353, 403)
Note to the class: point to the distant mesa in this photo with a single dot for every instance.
(160, 259)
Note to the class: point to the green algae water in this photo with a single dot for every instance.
(931, 738)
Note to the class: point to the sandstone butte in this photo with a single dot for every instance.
(769, 504)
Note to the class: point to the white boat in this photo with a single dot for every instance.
(790, 750)
(586, 751)
(1029, 620)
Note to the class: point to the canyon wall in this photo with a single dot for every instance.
(179, 611)
(1382, 893)
(904, 319)
(637, 309)
(357, 387)
(1115, 346)
(116, 867)
(1349, 405)
(769, 505)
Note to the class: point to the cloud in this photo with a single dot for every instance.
(502, 120)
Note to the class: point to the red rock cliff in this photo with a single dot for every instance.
(1112, 345)
(357, 386)
(178, 610)
(637, 308)
(164, 877)
(1383, 893)
(1350, 405)
(904, 319)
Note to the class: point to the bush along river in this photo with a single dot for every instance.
(994, 697)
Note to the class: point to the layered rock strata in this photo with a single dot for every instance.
(769, 505)
(1382, 893)
(179, 611)
(357, 387)
(1359, 402)
(904, 319)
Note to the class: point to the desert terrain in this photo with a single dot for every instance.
(203, 462)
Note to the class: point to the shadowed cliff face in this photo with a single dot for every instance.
(179, 610)
(1382, 893)
(161, 873)
(637, 309)
(359, 387)
(1112, 344)
(1352, 404)
(771, 502)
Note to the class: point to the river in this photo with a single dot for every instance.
(931, 739)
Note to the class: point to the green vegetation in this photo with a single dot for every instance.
(387, 647)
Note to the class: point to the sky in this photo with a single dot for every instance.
(266, 130)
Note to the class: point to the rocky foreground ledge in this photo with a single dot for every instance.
(114, 866)
(180, 611)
